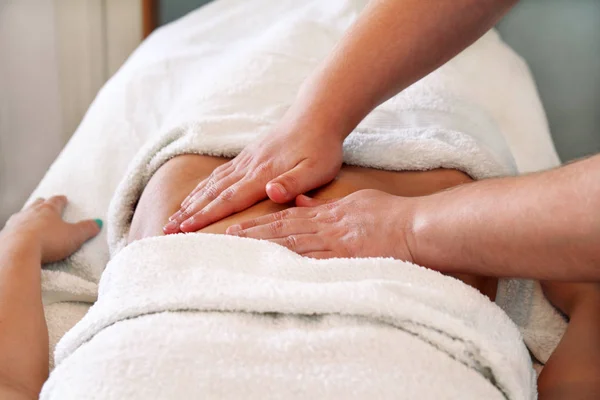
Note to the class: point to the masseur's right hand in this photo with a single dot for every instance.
(294, 159)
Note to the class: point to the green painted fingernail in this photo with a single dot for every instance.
(99, 223)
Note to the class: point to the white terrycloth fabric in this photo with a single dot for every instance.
(236, 66)
(540, 323)
(186, 317)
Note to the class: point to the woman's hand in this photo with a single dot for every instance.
(41, 224)
(33, 236)
(281, 166)
(367, 223)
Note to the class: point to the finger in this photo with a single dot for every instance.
(186, 202)
(198, 203)
(290, 213)
(280, 228)
(36, 202)
(287, 186)
(308, 243)
(236, 198)
(211, 187)
(202, 198)
(305, 201)
(58, 203)
(218, 174)
(213, 176)
(321, 255)
(209, 182)
(81, 232)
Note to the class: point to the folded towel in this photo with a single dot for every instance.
(541, 325)
(235, 66)
(261, 322)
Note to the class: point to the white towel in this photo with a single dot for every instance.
(209, 70)
(201, 320)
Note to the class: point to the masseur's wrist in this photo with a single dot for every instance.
(324, 109)
(426, 245)
(307, 120)
(402, 213)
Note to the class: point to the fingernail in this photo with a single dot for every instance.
(233, 229)
(279, 187)
(187, 223)
(189, 200)
(99, 223)
(170, 226)
(175, 216)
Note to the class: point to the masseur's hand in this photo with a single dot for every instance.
(367, 223)
(293, 159)
(40, 226)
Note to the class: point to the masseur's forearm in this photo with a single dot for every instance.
(543, 226)
(393, 44)
(23, 331)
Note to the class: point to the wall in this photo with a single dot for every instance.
(170, 10)
(55, 56)
(560, 39)
(31, 132)
(123, 26)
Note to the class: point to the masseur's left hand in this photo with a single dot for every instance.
(296, 157)
(367, 223)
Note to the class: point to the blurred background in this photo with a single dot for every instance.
(56, 54)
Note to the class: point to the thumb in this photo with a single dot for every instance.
(287, 186)
(83, 231)
(305, 201)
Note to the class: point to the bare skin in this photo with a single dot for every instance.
(174, 179)
(31, 237)
(573, 369)
(542, 226)
(38, 234)
(391, 45)
(442, 29)
(180, 173)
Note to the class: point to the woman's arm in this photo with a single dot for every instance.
(35, 235)
(23, 332)
(573, 370)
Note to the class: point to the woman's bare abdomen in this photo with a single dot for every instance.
(170, 185)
